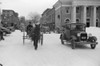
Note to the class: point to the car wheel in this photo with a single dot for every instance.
(93, 46)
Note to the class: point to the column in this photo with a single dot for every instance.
(73, 14)
(94, 16)
(84, 14)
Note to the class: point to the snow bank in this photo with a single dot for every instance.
(95, 31)
(52, 53)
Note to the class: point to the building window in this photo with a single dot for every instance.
(77, 20)
(97, 22)
(67, 20)
(77, 9)
(88, 22)
(97, 8)
(58, 16)
(67, 9)
(88, 11)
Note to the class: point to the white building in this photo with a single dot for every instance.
(85, 11)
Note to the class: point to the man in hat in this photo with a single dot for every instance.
(29, 28)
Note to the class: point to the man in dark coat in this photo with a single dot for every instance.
(29, 28)
(35, 35)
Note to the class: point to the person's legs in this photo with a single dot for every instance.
(35, 44)
(2, 38)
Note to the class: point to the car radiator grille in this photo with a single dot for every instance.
(83, 37)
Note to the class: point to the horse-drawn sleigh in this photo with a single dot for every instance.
(34, 34)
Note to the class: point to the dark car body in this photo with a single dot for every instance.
(75, 33)
(5, 30)
(12, 29)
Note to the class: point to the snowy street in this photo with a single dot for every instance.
(51, 53)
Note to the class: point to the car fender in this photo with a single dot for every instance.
(92, 39)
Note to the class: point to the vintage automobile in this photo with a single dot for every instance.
(5, 30)
(75, 33)
(12, 29)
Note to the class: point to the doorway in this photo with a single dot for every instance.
(88, 22)
(97, 22)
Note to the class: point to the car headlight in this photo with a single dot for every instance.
(78, 34)
(90, 34)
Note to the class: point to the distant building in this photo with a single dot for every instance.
(48, 18)
(10, 17)
(44, 17)
(75, 11)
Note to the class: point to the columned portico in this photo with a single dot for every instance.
(73, 14)
(85, 11)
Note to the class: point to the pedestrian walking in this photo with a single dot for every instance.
(1, 35)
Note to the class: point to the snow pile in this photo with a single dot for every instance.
(52, 53)
(95, 31)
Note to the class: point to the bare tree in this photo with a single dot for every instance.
(34, 17)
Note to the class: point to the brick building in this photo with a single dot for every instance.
(10, 17)
(48, 18)
(85, 11)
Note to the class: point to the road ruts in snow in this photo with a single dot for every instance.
(52, 53)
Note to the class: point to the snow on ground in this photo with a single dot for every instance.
(51, 53)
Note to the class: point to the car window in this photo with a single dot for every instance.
(77, 27)
(80, 27)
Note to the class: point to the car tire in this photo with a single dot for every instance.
(93, 46)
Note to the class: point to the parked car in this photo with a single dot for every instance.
(5, 30)
(75, 33)
(12, 29)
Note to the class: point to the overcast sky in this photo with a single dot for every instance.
(24, 7)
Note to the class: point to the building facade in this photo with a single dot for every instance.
(48, 18)
(44, 17)
(10, 17)
(75, 11)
